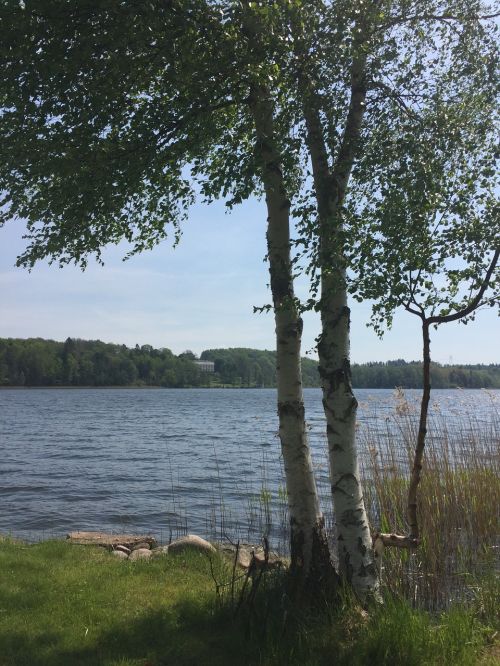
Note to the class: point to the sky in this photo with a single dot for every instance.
(199, 295)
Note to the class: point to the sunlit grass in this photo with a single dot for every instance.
(62, 604)
(68, 604)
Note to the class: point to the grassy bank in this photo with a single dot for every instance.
(65, 604)
(62, 604)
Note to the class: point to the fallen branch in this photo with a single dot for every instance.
(382, 540)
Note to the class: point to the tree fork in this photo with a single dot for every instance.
(356, 556)
(416, 473)
(311, 564)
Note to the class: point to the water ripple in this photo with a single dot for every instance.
(150, 460)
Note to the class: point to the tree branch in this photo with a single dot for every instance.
(395, 540)
(445, 18)
(412, 311)
(194, 113)
(437, 319)
(396, 97)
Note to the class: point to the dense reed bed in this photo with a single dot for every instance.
(459, 504)
(459, 501)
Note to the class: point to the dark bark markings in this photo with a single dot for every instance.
(339, 401)
(310, 556)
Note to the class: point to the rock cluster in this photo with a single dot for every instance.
(244, 553)
(130, 547)
(142, 551)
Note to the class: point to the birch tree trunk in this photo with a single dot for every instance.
(310, 557)
(414, 308)
(357, 560)
(422, 432)
(356, 556)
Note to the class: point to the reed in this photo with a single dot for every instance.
(459, 500)
(459, 503)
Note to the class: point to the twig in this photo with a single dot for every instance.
(212, 573)
(382, 539)
(233, 574)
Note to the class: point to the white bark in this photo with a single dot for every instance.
(309, 548)
(356, 555)
(357, 561)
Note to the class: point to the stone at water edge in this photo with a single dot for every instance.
(109, 540)
(158, 552)
(245, 552)
(123, 549)
(140, 554)
(244, 557)
(192, 542)
(119, 554)
(274, 561)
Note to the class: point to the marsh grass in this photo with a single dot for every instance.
(459, 504)
(63, 604)
(459, 501)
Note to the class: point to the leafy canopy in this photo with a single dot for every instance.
(116, 115)
(424, 209)
(104, 106)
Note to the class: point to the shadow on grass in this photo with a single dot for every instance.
(185, 634)
(140, 630)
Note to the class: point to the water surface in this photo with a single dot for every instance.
(164, 460)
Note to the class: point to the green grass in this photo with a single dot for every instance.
(62, 604)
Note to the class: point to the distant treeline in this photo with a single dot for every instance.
(37, 362)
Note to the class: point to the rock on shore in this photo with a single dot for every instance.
(130, 547)
(111, 541)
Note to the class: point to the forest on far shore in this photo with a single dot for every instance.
(75, 362)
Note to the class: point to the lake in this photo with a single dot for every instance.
(164, 461)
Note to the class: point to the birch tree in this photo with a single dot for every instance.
(311, 564)
(358, 66)
(331, 177)
(428, 228)
(112, 117)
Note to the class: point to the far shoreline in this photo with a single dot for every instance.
(235, 388)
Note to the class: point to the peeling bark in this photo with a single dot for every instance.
(310, 557)
(357, 559)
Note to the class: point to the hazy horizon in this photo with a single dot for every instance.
(199, 295)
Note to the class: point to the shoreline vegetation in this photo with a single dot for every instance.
(76, 363)
(67, 604)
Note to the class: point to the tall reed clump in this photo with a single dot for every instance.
(459, 504)
(459, 498)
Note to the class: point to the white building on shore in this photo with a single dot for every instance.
(205, 366)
